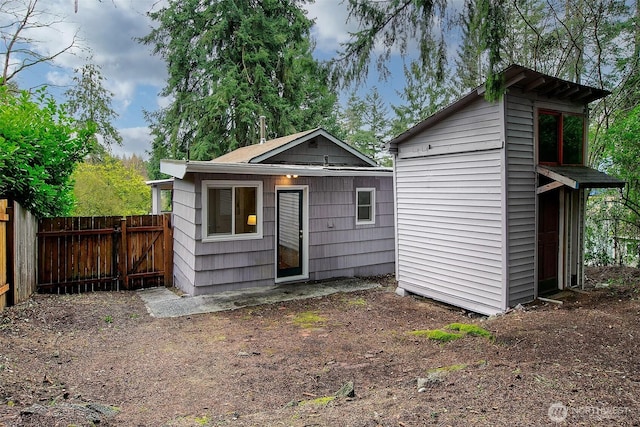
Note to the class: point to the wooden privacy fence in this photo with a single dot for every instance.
(18, 229)
(4, 286)
(83, 254)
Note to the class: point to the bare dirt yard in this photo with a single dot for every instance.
(100, 359)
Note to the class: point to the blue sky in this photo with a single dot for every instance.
(107, 30)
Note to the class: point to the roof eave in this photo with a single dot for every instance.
(515, 76)
(179, 169)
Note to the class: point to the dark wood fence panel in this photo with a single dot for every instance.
(83, 254)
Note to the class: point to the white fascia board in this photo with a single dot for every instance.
(175, 168)
(181, 168)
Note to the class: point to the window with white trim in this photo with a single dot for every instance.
(365, 206)
(231, 210)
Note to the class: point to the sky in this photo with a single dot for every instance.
(107, 30)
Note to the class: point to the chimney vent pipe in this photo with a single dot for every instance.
(263, 129)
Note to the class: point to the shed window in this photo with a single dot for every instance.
(231, 210)
(561, 138)
(365, 205)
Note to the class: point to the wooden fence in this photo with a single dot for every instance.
(82, 254)
(4, 286)
(18, 253)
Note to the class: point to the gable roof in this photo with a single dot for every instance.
(248, 153)
(258, 153)
(515, 76)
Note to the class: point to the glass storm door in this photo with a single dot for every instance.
(290, 233)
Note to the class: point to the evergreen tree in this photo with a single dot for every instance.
(90, 102)
(231, 61)
(366, 125)
(424, 94)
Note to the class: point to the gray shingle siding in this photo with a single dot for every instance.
(337, 246)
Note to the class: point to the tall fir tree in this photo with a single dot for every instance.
(423, 94)
(229, 62)
(90, 102)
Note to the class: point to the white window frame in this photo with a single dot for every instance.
(206, 185)
(373, 205)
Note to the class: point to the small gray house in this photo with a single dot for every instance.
(490, 197)
(302, 207)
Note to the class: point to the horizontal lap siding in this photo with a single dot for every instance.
(471, 129)
(450, 227)
(521, 205)
(340, 248)
(449, 183)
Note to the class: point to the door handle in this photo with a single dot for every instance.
(300, 234)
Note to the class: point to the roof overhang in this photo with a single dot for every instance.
(163, 184)
(515, 77)
(179, 168)
(577, 177)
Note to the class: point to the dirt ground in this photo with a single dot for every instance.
(100, 359)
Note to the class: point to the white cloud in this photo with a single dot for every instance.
(107, 31)
(331, 27)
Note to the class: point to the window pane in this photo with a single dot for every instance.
(245, 206)
(364, 198)
(548, 138)
(572, 140)
(364, 213)
(219, 211)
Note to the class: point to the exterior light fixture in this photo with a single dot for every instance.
(288, 176)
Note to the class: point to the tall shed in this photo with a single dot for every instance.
(490, 197)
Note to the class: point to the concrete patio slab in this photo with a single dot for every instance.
(162, 302)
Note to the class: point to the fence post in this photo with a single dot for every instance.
(4, 286)
(122, 265)
(167, 235)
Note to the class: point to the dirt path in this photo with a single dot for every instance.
(281, 364)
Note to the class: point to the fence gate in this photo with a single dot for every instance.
(4, 286)
(80, 254)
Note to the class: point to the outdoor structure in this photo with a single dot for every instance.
(302, 207)
(160, 190)
(490, 196)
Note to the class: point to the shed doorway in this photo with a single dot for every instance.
(548, 241)
(291, 234)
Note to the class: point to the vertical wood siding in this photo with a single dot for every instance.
(521, 199)
(337, 247)
(25, 253)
